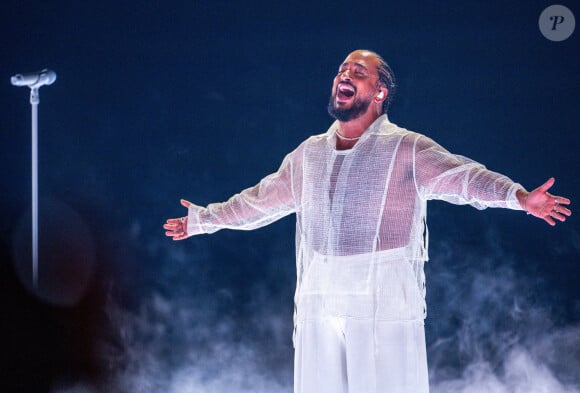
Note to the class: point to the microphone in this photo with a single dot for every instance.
(34, 79)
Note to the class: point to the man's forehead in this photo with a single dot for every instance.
(362, 57)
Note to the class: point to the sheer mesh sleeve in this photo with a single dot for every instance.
(459, 180)
(254, 207)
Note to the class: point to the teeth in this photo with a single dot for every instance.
(346, 89)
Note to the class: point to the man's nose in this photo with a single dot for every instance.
(345, 76)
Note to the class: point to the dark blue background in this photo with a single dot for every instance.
(156, 101)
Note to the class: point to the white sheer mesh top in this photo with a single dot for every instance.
(359, 212)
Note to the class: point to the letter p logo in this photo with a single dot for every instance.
(557, 19)
(557, 23)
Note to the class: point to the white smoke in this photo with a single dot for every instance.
(494, 331)
(181, 346)
(519, 373)
(487, 334)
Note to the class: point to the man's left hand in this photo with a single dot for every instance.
(540, 203)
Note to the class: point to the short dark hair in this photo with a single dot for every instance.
(387, 79)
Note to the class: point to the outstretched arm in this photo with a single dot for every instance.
(269, 200)
(540, 203)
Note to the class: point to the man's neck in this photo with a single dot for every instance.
(355, 128)
(349, 132)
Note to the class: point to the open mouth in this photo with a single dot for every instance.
(344, 91)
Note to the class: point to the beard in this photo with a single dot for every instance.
(358, 107)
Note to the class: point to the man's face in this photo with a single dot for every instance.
(354, 86)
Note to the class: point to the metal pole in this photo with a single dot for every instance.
(34, 80)
(34, 99)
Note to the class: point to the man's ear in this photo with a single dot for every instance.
(382, 94)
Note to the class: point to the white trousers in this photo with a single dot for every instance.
(348, 355)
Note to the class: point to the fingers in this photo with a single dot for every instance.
(547, 185)
(170, 226)
(558, 208)
(175, 224)
(549, 220)
(547, 206)
(561, 200)
(172, 222)
(560, 213)
(555, 215)
(180, 237)
(176, 228)
(177, 236)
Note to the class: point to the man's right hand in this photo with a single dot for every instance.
(177, 227)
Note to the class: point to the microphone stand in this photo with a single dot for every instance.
(34, 100)
(34, 81)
